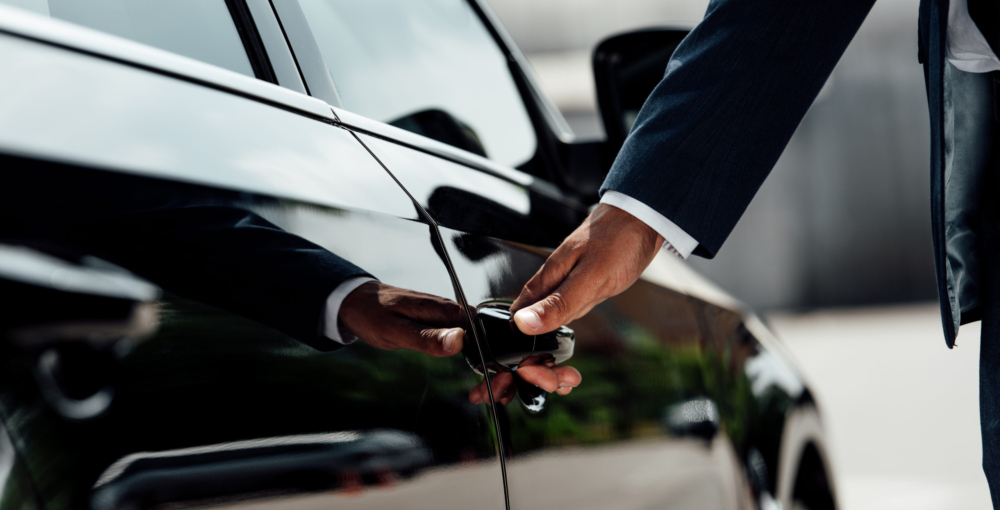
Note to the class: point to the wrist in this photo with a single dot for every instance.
(356, 300)
(628, 222)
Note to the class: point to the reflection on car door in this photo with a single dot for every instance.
(212, 408)
(644, 428)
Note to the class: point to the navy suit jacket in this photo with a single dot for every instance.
(732, 96)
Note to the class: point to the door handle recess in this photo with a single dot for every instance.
(507, 348)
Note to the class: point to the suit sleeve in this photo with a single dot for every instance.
(231, 258)
(204, 244)
(731, 97)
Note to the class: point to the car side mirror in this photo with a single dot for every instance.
(442, 126)
(627, 67)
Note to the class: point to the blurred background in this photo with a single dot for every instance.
(835, 250)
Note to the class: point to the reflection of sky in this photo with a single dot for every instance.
(392, 58)
(478, 278)
(767, 369)
(86, 110)
(200, 29)
(422, 174)
(396, 251)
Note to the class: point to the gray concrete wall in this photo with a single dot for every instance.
(844, 217)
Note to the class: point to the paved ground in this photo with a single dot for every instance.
(900, 408)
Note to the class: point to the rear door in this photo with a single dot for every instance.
(135, 164)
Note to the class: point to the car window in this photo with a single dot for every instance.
(427, 66)
(200, 29)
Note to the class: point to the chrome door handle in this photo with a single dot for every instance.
(507, 347)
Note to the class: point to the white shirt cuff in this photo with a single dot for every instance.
(967, 48)
(677, 241)
(331, 323)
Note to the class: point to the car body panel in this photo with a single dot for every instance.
(640, 353)
(208, 379)
(190, 133)
(213, 393)
(672, 320)
(213, 400)
(402, 136)
(462, 198)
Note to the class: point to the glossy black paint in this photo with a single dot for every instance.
(208, 378)
(643, 354)
(658, 349)
(16, 486)
(220, 404)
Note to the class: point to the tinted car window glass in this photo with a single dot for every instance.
(200, 29)
(428, 66)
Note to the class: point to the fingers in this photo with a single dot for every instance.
(541, 376)
(604, 256)
(477, 395)
(569, 378)
(392, 318)
(547, 278)
(425, 308)
(438, 342)
(564, 304)
(394, 333)
(503, 387)
(558, 379)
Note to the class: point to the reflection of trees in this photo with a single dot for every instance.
(209, 377)
(623, 396)
(642, 352)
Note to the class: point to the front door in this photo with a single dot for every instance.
(238, 211)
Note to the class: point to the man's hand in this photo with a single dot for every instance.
(538, 370)
(601, 258)
(391, 318)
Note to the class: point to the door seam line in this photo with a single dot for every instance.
(463, 301)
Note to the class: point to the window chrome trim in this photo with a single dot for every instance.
(276, 46)
(314, 72)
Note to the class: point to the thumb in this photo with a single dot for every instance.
(544, 316)
(583, 285)
(394, 333)
(441, 342)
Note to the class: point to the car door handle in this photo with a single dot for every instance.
(507, 347)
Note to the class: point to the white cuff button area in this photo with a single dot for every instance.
(677, 240)
(331, 325)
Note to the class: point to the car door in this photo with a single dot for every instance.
(129, 165)
(644, 428)
(646, 425)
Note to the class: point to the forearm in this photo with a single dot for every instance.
(733, 94)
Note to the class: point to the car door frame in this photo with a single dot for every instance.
(569, 168)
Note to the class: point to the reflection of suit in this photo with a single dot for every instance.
(737, 88)
(200, 243)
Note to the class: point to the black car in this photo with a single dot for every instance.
(407, 137)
